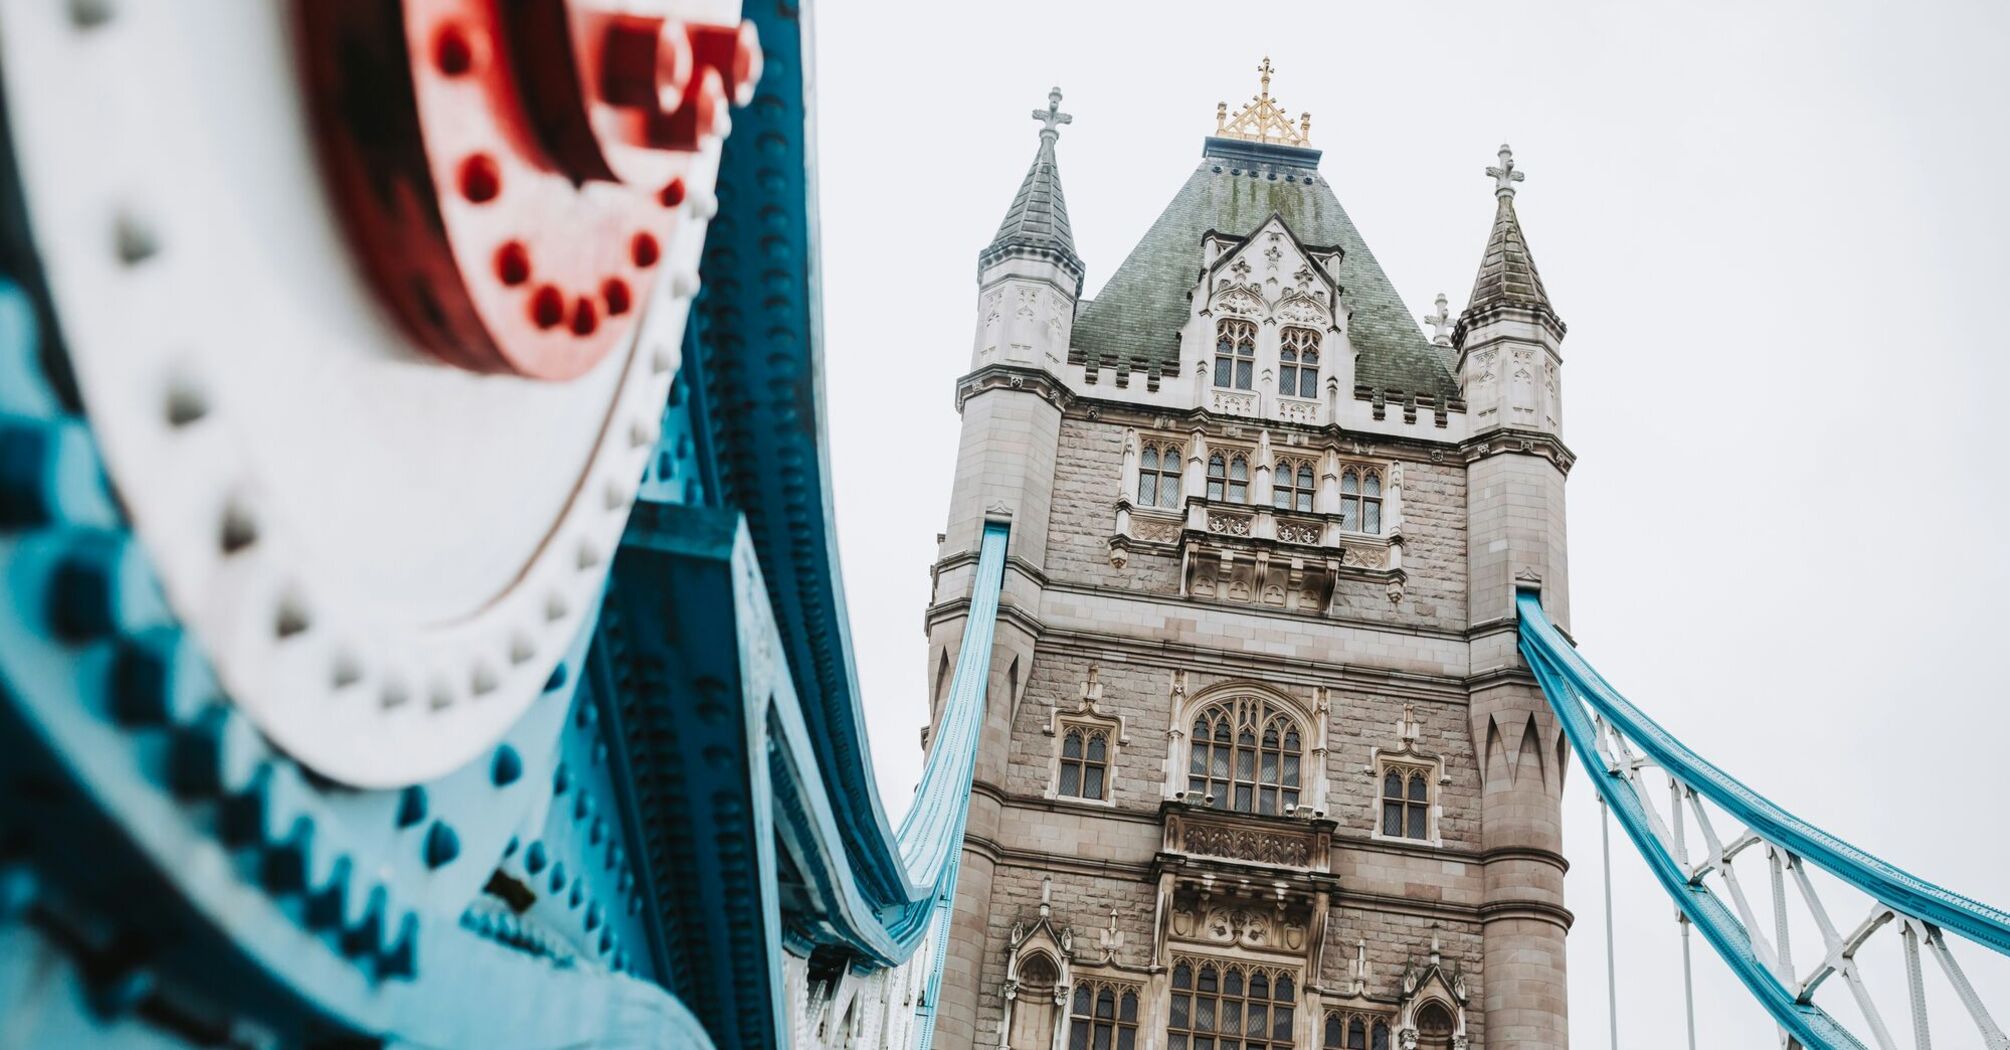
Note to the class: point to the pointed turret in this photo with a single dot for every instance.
(1029, 275)
(1036, 225)
(1508, 336)
(1507, 271)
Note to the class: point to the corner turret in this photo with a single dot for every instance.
(1029, 276)
(1508, 338)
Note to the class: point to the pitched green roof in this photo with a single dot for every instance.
(1136, 319)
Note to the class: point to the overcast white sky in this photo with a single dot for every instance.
(1779, 235)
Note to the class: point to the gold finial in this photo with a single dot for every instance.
(1262, 120)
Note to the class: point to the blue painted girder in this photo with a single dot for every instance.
(726, 766)
(1576, 692)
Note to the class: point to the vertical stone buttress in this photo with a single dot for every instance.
(1509, 366)
(1028, 279)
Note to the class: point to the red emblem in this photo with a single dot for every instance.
(510, 172)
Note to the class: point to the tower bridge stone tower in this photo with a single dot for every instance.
(1262, 766)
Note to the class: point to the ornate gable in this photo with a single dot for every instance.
(1270, 275)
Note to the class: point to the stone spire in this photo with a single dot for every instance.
(1037, 223)
(1507, 272)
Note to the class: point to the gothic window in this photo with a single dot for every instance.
(1218, 1006)
(1033, 1004)
(1103, 1017)
(1245, 757)
(1228, 478)
(1291, 485)
(1355, 1032)
(1434, 1026)
(1235, 354)
(1298, 363)
(1406, 803)
(1361, 500)
(1158, 476)
(1085, 762)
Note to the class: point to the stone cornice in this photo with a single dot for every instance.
(1498, 676)
(1182, 421)
(1012, 561)
(1541, 911)
(1016, 378)
(1171, 600)
(1284, 670)
(1529, 313)
(1531, 853)
(1008, 612)
(1519, 442)
(1153, 818)
(991, 850)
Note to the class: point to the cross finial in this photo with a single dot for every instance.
(1265, 70)
(1505, 176)
(1441, 322)
(1052, 118)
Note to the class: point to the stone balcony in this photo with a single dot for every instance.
(1260, 555)
(1258, 883)
(1295, 843)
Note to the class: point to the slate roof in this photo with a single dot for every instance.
(1037, 221)
(1507, 271)
(1135, 320)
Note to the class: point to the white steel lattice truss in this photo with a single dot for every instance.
(1676, 808)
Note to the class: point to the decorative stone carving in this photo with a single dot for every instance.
(1293, 411)
(1200, 833)
(1291, 530)
(1296, 308)
(1228, 524)
(1242, 844)
(1366, 556)
(1238, 301)
(1234, 403)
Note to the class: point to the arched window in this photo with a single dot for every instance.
(1355, 1032)
(1033, 1005)
(1085, 762)
(1228, 478)
(1159, 470)
(1406, 803)
(1291, 485)
(1361, 500)
(1298, 363)
(1245, 756)
(1434, 1026)
(1235, 353)
(1220, 1005)
(1103, 1017)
